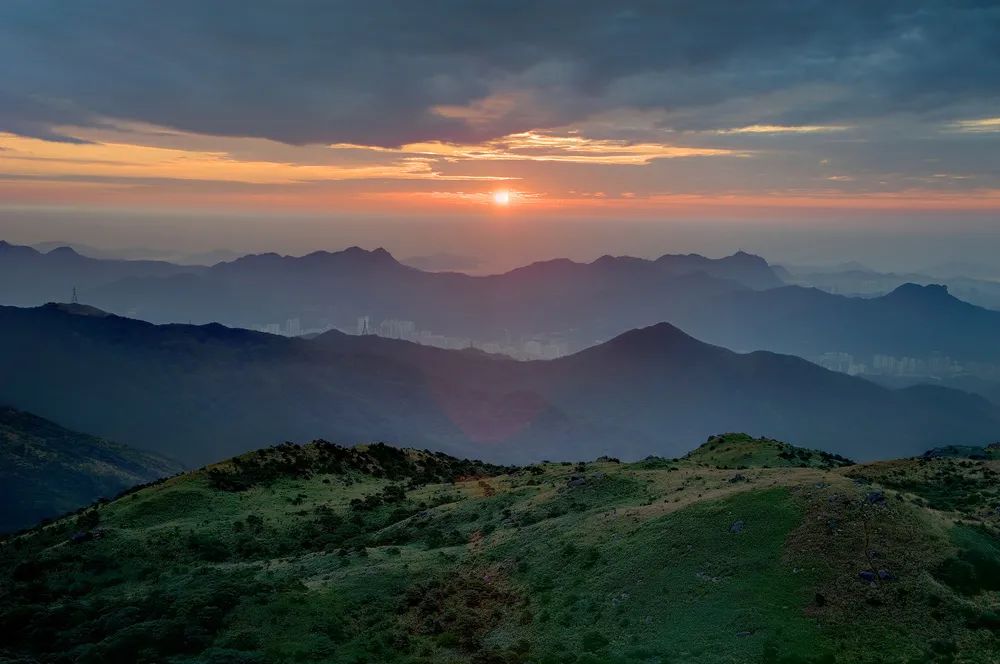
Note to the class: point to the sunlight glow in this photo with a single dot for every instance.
(501, 197)
(980, 125)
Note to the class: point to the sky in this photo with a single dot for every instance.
(711, 122)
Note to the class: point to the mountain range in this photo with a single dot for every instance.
(199, 393)
(585, 302)
(29, 276)
(737, 301)
(859, 280)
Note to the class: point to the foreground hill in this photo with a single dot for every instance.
(46, 470)
(373, 554)
(199, 393)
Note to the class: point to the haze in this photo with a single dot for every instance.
(805, 135)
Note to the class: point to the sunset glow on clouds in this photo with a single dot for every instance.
(390, 107)
(128, 163)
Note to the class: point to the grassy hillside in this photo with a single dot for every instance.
(47, 470)
(738, 450)
(745, 551)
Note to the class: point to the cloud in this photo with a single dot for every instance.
(977, 126)
(387, 73)
(32, 157)
(782, 129)
(568, 147)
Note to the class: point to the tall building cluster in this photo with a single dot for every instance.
(529, 349)
(934, 365)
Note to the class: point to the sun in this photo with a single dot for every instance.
(501, 197)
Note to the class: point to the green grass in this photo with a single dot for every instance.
(740, 451)
(320, 554)
(950, 484)
(679, 586)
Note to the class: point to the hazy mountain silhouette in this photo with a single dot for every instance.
(29, 276)
(47, 470)
(200, 393)
(582, 301)
(911, 320)
(180, 257)
(857, 280)
(730, 301)
(747, 269)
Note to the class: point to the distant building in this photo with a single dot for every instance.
(841, 362)
(532, 348)
(398, 329)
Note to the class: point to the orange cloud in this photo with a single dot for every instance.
(570, 147)
(784, 129)
(34, 157)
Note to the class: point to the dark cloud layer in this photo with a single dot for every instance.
(374, 72)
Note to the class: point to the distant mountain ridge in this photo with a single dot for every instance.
(911, 320)
(179, 257)
(978, 286)
(583, 302)
(29, 276)
(199, 393)
(742, 267)
(736, 301)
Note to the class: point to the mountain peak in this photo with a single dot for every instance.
(64, 251)
(549, 266)
(692, 258)
(746, 257)
(359, 257)
(377, 254)
(351, 257)
(655, 337)
(353, 254)
(916, 293)
(76, 309)
(7, 247)
(607, 260)
(911, 287)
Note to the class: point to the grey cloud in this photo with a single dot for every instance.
(372, 72)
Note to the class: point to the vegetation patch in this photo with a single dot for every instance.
(372, 554)
(287, 461)
(740, 451)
